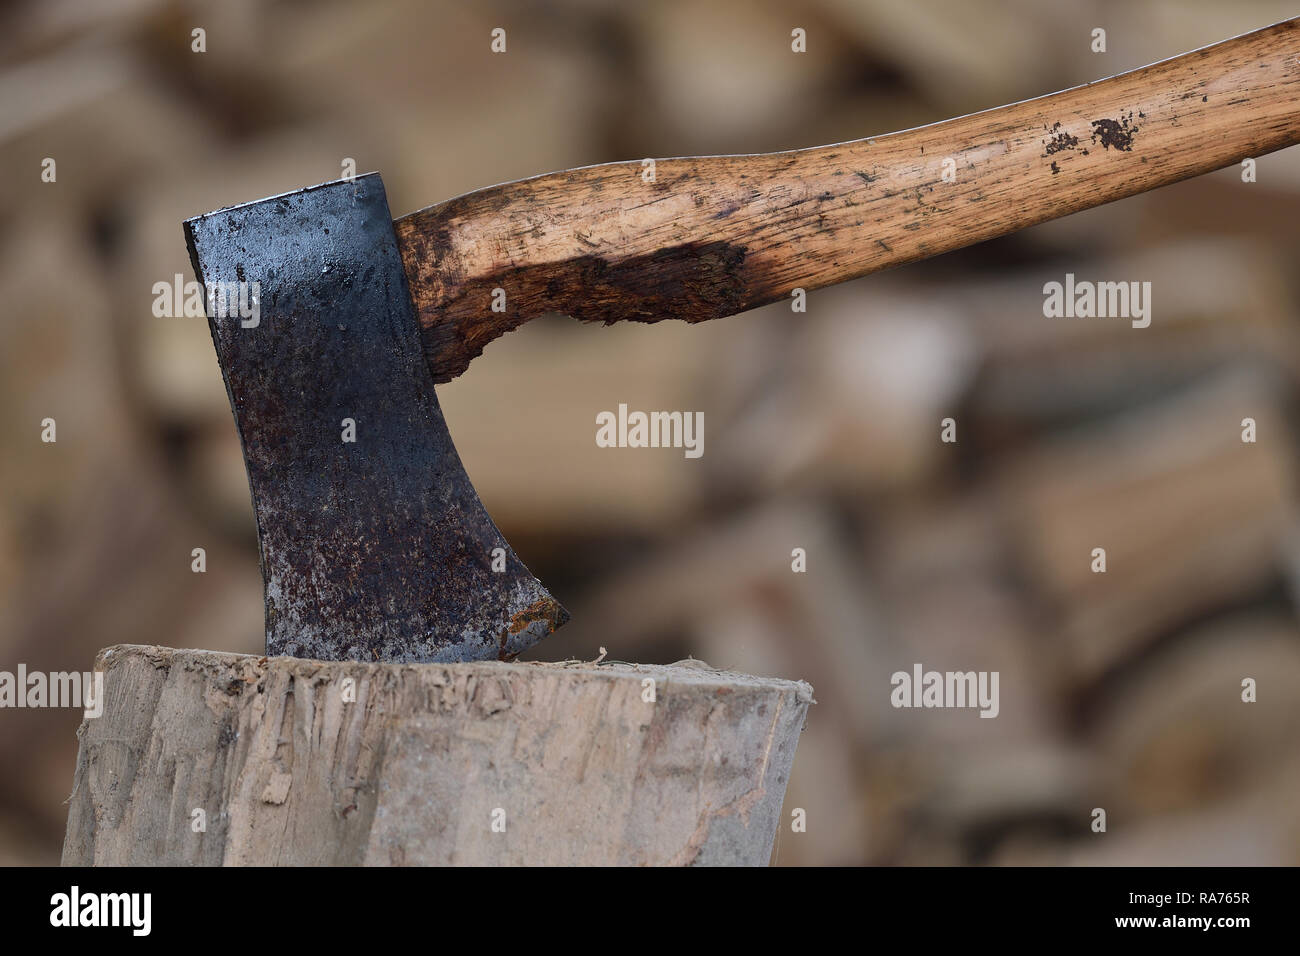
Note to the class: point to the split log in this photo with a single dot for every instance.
(287, 761)
(1192, 518)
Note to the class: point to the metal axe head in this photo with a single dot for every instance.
(374, 544)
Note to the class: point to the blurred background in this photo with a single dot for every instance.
(1118, 690)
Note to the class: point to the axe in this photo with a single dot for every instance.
(374, 544)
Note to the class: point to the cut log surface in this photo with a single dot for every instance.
(205, 758)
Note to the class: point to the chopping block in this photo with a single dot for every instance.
(207, 758)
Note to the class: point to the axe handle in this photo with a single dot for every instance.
(712, 236)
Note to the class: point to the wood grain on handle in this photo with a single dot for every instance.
(716, 235)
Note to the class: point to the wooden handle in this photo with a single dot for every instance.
(713, 236)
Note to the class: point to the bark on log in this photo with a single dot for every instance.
(569, 759)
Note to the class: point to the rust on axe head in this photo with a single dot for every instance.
(375, 548)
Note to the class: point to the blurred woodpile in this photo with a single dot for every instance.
(1119, 690)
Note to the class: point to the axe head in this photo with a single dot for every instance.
(374, 545)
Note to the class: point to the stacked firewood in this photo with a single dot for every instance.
(828, 532)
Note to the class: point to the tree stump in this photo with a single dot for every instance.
(211, 758)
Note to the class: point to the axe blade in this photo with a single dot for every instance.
(377, 548)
